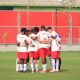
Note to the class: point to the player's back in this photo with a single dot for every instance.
(43, 35)
(54, 46)
(21, 39)
(34, 42)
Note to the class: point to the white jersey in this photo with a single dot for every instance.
(49, 45)
(34, 42)
(21, 39)
(54, 45)
(43, 35)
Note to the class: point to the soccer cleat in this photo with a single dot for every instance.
(42, 71)
(37, 71)
(52, 71)
(57, 70)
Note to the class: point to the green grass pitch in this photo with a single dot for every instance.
(70, 69)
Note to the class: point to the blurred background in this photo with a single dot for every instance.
(62, 15)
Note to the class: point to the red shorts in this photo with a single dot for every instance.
(55, 54)
(42, 52)
(49, 51)
(36, 55)
(22, 55)
(33, 54)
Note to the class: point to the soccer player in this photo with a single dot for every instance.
(33, 54)
(43, 39)
(55, 52)
(58, 38)
(22, 42)
(28, 66)
(49, 29)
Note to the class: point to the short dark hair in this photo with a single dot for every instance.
(36, 29)
(24, 30)
(43, 27)
(49, 28)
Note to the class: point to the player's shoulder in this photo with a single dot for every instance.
(32, 34)
(42, 32)
(24, 37)
(19, 35)
(54, 32)
(39, 33)
(47, 32)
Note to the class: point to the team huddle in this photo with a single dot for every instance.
(35, 44)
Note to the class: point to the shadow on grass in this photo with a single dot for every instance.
(63, 70)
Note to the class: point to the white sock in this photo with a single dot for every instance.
(44, 67)
(36, 67)
(50, 61)
(17, 67)
(25, 67)
(21, 67)
(53, 64)
(32, 67)
(57, 64)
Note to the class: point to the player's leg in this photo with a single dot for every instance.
(53, 65)
(21, 65)
(17, 65)
(25, 56)
(57, 65)
(28, 66)
(36, 59)
(31, 61)
(43, 52)
(58, 57)
(36, 65)
(50, 61)
(19, 61)
(49, 56)
(25, 65)
(53, 56)
(44, 64)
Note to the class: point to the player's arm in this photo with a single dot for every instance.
(26, 42)
(40, 41)
(34, 38)
(18, 43)
(59, 42)
(58, 39)
(53, 37)
(44, 41)
(30, 42)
